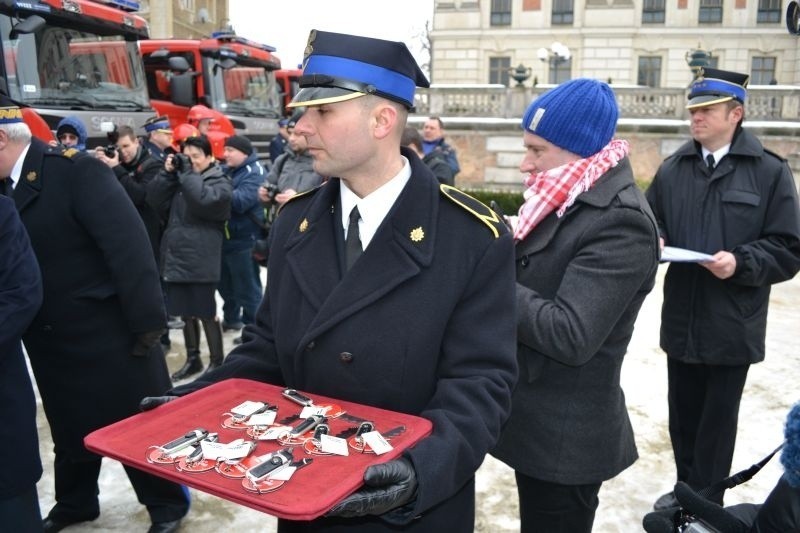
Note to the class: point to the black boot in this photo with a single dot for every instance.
(216, 352)
(191, 337)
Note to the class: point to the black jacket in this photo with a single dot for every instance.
(747, 206)
(196, 207)
(20, 298)
(134, 177)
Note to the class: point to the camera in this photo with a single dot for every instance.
(110, 151)
(180, 162)
(271, 188)
(110, 129)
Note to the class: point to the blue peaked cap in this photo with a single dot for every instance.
(714, 86)
(339, 67)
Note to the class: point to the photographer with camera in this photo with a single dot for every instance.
(291, 173)
(71, 133)
(193, 195)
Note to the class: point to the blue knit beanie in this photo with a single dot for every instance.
(579, 116)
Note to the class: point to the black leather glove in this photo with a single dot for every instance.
(151, 402)
(387, 486)
(661, 521)
(145, 342)
(709, 512)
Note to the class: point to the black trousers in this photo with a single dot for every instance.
(21, 512)
(546, 507)
(77, 490)
(703, 416)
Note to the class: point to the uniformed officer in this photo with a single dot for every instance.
(93, 346)
(385, 289)
(159, 137)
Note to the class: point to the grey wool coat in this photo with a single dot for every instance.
(581, 280)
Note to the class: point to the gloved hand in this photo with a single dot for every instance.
(145, 342)
(151, 402)
(661, 521)
(387, 486)
(709, 512)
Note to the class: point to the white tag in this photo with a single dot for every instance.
(267, 418)
(331, 444)
(233, 450)
(376, 441)
(247, 408)
(284, 474)
(275, 432)
(310, 410)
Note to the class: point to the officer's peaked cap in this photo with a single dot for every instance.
(10, 112)
(713, 86)
(339, 67)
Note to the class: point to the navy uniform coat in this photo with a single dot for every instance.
(747, 206)
(101, 288)
(423, 323)
(582, 279)
(20, 297)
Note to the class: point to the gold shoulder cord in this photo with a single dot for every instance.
(489, 218)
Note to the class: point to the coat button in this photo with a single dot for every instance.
(346, 357)
(310, 346)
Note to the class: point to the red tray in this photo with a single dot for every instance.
(310, 493)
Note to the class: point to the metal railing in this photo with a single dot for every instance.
(764, 102)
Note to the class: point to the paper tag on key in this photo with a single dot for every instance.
(266, 418)
(274, 432)
(233, 450)
(247, 408)
(310, 410)
(284, 474)
(376, 441)
(331, 444)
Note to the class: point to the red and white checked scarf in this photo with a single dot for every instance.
(560, 186)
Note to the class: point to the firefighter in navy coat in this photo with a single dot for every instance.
(421, 323)
(93, 346)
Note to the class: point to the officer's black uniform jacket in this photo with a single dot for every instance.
(747, 206)
(423, 323)
(101, 288)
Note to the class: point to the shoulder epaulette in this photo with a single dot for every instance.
(300, 195)
(476, 208)
(770, 152)
(60, 151)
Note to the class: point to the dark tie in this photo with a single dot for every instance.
(710, 160)
(5, 187)
(352, 244)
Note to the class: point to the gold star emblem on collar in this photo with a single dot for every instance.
(31, 176)
(303, 225)
(417, 234)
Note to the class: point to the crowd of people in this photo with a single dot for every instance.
(390, 287)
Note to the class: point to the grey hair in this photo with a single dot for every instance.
(18, 132)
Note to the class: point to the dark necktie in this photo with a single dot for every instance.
(352, 244)
(710, 160)
(5, 187)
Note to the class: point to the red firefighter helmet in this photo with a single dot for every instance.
(199, 112)
(181, 132)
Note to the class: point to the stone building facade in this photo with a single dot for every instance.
(635, 42)
(184, 19)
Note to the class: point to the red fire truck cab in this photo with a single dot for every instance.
(75, 57)
(232, 76)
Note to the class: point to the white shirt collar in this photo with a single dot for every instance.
(17, 170)
(374, 207)
(719, 154)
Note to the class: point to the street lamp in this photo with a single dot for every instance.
(520, 74)
(697, 58)
(556, 55)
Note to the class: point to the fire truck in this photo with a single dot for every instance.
(75, 57)
(232, 76)
(288, 83)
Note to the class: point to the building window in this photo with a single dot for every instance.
(762, 71)
(769, 11)
(649, 71)
(501, 13)
(498, 70)
(563, 11)
(710, 11)
(560, 69)
(653, 11)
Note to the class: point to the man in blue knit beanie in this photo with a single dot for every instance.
(587, 254)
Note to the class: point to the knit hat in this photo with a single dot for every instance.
(579, 116)
(241, 143)
(66, 128)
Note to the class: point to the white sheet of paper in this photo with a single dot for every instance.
(233, 450)
(247, 408)
(311, 410)
(682, 255)
(266, 418)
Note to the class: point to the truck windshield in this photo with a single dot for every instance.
(248, 91)
(65, 67)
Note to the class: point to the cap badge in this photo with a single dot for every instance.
(417, 234)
